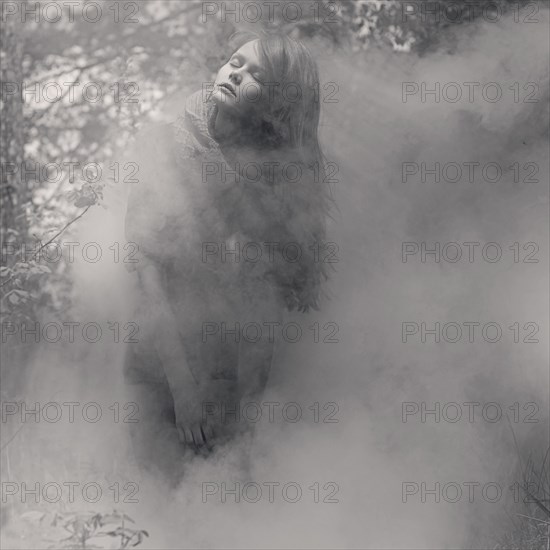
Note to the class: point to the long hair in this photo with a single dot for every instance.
(291, 119)
(286, 129)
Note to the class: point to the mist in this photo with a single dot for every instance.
(370, 372)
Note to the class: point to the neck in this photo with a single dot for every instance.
(225, 126)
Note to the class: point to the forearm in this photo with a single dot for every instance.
(164, 329)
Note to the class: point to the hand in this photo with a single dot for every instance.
(197, 436)
(193, 429)
(202, 417)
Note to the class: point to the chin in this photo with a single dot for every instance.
(223, 99)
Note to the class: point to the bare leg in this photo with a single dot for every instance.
(154, 436)
(255, 359)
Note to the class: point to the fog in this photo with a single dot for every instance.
(369, 132)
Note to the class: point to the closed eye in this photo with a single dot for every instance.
(237, 61)
(234, 62)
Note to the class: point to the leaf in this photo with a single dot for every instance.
(140, 535)
(83, 201)
(39, 270)
(85, 196)
(116, 517)
(122, 531)
(22, 266)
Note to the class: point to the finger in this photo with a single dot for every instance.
(208, 433)
(181, 434)
(198, 436)
(184, 435)
(188, 435)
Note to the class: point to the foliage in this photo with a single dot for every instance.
(166, 53)
(85, 526)
(530, 523)
(86, 529)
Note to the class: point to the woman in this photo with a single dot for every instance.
(240, 170)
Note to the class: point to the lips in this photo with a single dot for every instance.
(228, 88)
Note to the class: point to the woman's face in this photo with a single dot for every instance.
(238, 87)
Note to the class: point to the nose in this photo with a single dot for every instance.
(235, 77)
